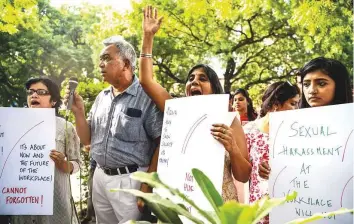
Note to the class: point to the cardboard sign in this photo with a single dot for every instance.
(186, 143)
(311, 152)
(26, 171)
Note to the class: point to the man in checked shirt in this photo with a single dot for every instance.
(123, 129)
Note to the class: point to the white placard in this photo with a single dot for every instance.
(186, 143)
(311, 152)
(26, 171)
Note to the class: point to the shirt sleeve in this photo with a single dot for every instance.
(153, 122)
(92, 110)
(73, 147)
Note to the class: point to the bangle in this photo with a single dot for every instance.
(143, 55)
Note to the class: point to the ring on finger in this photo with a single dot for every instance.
(223, 130)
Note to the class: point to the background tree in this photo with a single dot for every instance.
(57, 49)
(256, 41)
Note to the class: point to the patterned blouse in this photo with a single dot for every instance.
(63, 212)
(228, 186)
(258, 146)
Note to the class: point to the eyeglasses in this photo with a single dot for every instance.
(40, 92)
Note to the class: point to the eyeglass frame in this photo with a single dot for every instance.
(30, 92)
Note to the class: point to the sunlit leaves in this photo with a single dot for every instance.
(21, 13)
(326, 25)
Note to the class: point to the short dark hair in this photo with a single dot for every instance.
(53, 89)
(277, 93)
(213, 77)
(251, 113)
(336, 71)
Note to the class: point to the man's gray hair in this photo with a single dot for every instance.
(125, 49)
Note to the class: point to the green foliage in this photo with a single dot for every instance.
(16, 14)
(208, 189)
(327, 29)
(55, 49)
(167, 215)
(225, 213)
(255, 41)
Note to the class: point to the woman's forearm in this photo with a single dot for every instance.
(145, 63)
(154, 90)
(240, 167)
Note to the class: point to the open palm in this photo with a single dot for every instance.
(150, 22)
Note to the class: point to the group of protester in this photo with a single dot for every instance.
(323, 82)
(123, 127)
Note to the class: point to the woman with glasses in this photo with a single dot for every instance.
(201, 80)
(44, 93)
(279, 96)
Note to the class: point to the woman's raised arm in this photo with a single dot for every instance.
(156, 92)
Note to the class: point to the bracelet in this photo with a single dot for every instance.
(143, 55)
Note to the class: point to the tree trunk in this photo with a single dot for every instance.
(230, 69)
(227, 85)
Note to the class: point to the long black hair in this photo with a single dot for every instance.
(336, 71)
(213, 77)
(276, 94)
(251, 113)
(52, 88)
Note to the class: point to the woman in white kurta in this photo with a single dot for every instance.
(44, 93)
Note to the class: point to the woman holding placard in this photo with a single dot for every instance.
(279, 96)
(324, 82)
(44, 93)
(202, 80)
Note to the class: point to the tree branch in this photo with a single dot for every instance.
(244, 64)
(190, 30)
(237, 31)
(266, 80)
(252, 40)
(164, 68)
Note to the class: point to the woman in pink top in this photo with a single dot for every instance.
(279, 96)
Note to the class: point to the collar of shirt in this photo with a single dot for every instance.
(132, 89)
